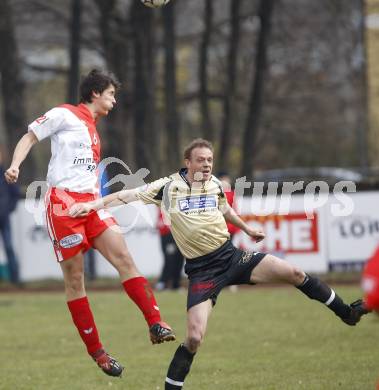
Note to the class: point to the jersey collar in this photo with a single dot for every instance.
(183, 172)
(86, 113)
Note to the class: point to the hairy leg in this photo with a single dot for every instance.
(272, 269)
(197, 319)
(111, 244)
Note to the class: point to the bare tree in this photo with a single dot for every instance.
(230, 85)
(115, 42)
(256, 93)
(145, 134)
(75, 33)
(206, 123)
(172, 146)
(12, 85)
(363, 127)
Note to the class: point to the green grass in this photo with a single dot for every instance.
(258, 338)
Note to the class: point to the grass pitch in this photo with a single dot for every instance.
(258, 338)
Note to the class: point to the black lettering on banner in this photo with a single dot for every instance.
(357, 229)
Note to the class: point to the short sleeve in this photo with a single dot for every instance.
(152, 193)
(222, 200)
(47, 124)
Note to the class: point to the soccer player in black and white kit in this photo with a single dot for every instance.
(194, 201)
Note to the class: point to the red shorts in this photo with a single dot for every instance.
(72, 235)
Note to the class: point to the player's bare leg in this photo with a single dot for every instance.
(78, 304)
(197, 319)
(112, 246)
(272, 269)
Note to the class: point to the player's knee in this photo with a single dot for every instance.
(75, 281)
(194, 339)
(296, 276)
(194, 342)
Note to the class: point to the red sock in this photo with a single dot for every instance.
(141, 293)
(83, 319)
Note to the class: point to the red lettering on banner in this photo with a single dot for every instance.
(292, 233)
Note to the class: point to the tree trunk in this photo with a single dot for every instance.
(172, 145)
(206, 124)
(12, 87)
(146, 136)
(115, 42)
(74, 71)
(257, 88)
(230, 90)
(363, 125)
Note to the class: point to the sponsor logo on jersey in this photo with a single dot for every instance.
(71, 240)
(197, 203)
(83, 160)
(41, 119)
(82, 145)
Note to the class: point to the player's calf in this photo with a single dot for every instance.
(316, 289)
(179, 368)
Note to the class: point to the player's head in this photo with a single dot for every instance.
(99, 88)
(198, 158)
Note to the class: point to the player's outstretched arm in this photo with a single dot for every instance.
(231, 216)
(111, 200)
(21, 151)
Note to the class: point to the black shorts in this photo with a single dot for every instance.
(210, 273)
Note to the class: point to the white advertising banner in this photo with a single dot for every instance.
(138, 223)
(32, 245)
(353, 238)
(291, 232)
(309, 237)
(37, 259)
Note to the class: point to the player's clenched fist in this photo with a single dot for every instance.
(80, 210)
(11, 175)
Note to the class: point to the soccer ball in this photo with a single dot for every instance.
(154, 3)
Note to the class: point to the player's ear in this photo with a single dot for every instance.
(187, 162)
(95, 94)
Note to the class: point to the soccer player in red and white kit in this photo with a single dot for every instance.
(72, 177)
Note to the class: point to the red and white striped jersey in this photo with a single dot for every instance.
(75, 147)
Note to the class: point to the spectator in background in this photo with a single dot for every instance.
(226, 182)
(172, 258)
(9, 195)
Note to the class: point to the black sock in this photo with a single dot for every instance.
(179, 368)
(316, 289)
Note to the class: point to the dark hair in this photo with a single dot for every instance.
(96, 81)
(196, 143)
